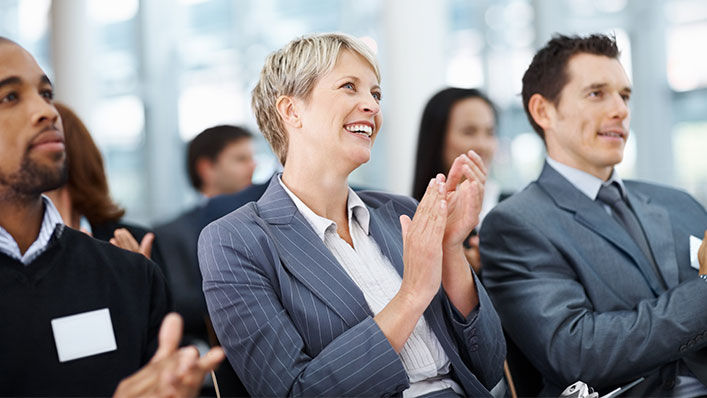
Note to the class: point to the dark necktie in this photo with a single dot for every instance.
(611, 195)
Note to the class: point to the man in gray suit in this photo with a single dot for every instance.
(592, 275)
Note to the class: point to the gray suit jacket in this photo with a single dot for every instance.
(579, 297)
(293, 322)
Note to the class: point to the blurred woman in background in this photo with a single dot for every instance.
(84, 202)
(456, 120)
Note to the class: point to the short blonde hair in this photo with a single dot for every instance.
(293, 71)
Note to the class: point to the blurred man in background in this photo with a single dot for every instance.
(219, 161)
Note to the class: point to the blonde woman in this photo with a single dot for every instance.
(317, 290)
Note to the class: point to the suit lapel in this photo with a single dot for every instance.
(306, 257)
(591, 214)
(656, 225)
(387, 234)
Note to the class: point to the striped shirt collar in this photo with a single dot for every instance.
(357, 211)
(51, 219)
(585, 182)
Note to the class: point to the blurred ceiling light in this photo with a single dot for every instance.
(33, 18)
(109, 12)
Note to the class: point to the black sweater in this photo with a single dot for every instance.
(76, 274)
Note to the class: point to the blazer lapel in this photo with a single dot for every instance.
(388, 235)
(591, 214)
(656, 225)
(304, 254)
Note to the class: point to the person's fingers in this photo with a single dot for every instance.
(212, 359)
(146, 381)
(427, 201)
(477, 192)
(188, 360)
(478, 172)
(440, 198)
(169, 336)
(125, 239)
(456, 172)
(146, 244)
(404, 225)
(476, 159)
(474, 241)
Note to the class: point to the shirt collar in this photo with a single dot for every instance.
(50, 220)
(357, 211)
(585, 182)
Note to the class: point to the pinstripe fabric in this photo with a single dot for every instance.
(422, 355)
(293, 322)
(51, 218)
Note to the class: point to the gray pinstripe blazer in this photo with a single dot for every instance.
(292, 322)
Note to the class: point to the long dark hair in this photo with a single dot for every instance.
(433, 129)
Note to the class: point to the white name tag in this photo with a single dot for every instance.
(83, 335)
(695, 243)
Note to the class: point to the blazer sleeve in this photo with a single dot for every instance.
(261, 342)
(480, 336)
(547, 312)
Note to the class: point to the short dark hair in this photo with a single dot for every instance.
(547, 73)
(209, 144)
(433, 130)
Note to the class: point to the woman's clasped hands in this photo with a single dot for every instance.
(433, 251)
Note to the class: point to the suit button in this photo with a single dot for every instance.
(474, 348)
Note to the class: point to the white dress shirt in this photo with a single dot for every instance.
(51, 218)
(422, 356)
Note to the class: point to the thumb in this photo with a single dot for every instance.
(404, 225)
(169, 337)
(146, 244)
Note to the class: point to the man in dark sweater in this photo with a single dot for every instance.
(78, 315)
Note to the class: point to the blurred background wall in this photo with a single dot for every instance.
(148, 75)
